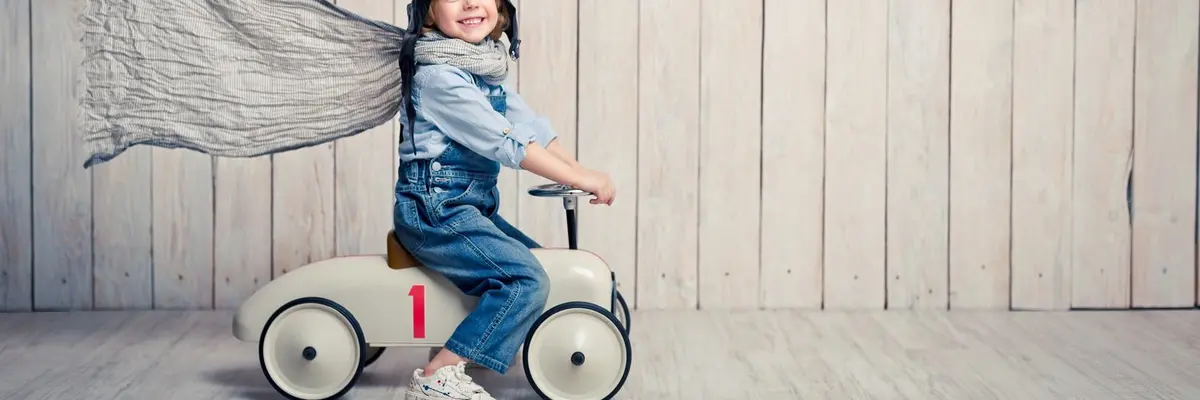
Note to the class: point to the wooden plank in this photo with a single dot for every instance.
(730, 142)
(183, 229)
(918, 137)
(1043, 125)
(302, 223)
(242, 245)
(668, 161)
(62, 193)
(793, 153)
(364, 169)
(608, 132)
(980, 153)
(509, 182)
(549, 33)
(16, 203)
(856, 154)
(123, 218)
(1103, 153)
(1164, 161)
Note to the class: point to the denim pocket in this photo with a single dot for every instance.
(454, 193)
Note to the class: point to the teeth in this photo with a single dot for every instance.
(472, 21)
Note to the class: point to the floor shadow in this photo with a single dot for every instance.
(248, 382)
(242, 377)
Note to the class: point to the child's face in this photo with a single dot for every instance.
(469, 20)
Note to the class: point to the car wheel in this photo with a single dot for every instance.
(312, 349)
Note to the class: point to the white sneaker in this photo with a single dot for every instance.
(449, 382)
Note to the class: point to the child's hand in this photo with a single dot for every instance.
(598, 184)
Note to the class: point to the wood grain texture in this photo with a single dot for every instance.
(668, 160)
(549, 61)
(16, 137)
(123, 222)
(793, 153)
(508, 182)
(1043, 125)
(183, 229)
(363, 185)
(62, 190)
(856, 154)
(918, 138)
(858, 355)
(608, 132)
(302, 217)
(1164, 160)
(980, 152)
(1103, 153)
(242, 220)
(730, 153)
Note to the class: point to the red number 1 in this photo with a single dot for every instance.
(418, 294)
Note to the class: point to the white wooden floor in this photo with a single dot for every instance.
(747, 355)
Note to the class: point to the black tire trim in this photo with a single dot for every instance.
(620, 300)
(362, 343)
(589, 306)
(373, 357)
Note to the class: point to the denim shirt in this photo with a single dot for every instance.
(452, 105)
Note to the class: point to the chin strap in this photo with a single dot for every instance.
(407, 71)
(513, 36)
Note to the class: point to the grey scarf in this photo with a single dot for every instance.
(232, 78)
(487, 59)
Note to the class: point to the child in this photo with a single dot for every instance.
(462, 126)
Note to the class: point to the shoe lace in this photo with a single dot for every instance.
(460, 372)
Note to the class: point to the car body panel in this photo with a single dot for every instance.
(385, 300)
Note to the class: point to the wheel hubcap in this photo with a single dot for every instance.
(309, 353)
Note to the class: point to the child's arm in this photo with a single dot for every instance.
(520, 112)
(546, 164)
(562, 154)
(450, 101)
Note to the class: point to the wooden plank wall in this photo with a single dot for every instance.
(851, 154)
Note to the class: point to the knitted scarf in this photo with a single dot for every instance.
(487, 59)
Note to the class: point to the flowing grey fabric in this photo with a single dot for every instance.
(233, 78)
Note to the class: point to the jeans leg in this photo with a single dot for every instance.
(482, 260)
(513, 232)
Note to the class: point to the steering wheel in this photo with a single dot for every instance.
(570, 198)
(557, 190)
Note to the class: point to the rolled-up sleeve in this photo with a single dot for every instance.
(450, 101)
(519, 112)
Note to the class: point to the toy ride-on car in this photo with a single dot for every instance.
(319, 325)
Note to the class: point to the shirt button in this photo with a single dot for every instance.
(436, 166)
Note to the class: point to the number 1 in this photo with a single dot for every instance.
(418, 294)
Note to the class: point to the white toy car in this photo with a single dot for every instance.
(318, 326)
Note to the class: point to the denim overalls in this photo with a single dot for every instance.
(446, 216)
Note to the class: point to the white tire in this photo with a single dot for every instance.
(312, 349)
(577, 351)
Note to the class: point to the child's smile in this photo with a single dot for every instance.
(471, 22)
